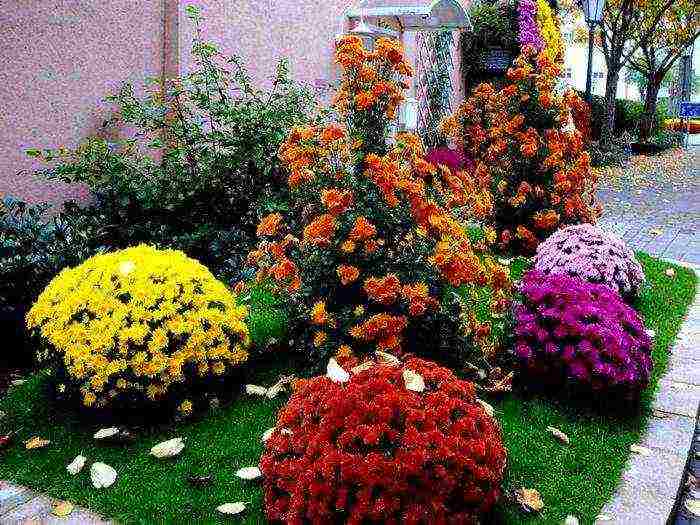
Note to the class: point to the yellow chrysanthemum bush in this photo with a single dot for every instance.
(138, 326)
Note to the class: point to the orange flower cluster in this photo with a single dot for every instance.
(384, 329)
(379, 233)
(368, 84)
(532, 172)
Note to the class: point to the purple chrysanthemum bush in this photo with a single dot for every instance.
(587, 252)
(573, 333)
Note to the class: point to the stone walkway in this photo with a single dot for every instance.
(654, 204)
(22, 506)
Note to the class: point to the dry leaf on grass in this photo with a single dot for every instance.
(231, 509)
(76, 465)
(559, 435)
(413, 381)
(336, 373)
(529, 499)
(255, 390)
(639, 449)
(604, 517)
(102, 475)
(36, 442)
(168, 449)
(104, 433)
(670, 272)
(249, 473)
(62, 509)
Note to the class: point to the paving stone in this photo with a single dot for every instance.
(12, 495)
(683, 369)
(37, 511)
(672, 434)
(647, 493)
(677, 398)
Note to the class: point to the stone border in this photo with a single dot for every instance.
(650, 483)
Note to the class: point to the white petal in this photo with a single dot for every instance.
(256, 390)
(413, 381)
(336, 373)
(102, 475)
(249, 473)
(168, 449)
(104, 433)
(76, 465)
(231, 508)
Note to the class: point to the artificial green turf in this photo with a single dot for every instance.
(576, 479)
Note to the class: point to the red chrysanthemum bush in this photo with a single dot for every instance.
(532, 169)
(370, 450)
(373, 240)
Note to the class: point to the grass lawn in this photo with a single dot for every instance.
(576, 479)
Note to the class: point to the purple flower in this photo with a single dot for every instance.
(574, 331)
(529, 30)
(586, 252)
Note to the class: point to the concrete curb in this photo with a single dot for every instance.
(650, 484)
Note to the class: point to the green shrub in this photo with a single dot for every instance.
(216, 136)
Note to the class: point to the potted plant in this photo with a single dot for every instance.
(493, 41)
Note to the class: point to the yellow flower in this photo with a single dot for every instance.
(185, 408)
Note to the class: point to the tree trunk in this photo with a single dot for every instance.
(646, 126)
(608, 131)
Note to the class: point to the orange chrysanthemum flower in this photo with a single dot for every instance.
(321, 230)
(362, 230)
(336, 201)
(269, 225)
(384, 290)
(347, 273)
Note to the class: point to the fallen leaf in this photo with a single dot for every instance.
(571, 520)
(693, 506)
(362, 367)
(529, 499)
(249, 473)
(36, 442)
(168, 449)
(387, 359)
(489, 409)
(268, 434)
(102, 475)
(280, 386)
(106, 432)
(200, 481)
(638, 449)
(336, 373)
(604, 517)
(413, 381)
(670, 272)
(231, 509)
(76, 465)
(256, 390)
(559, 435)
(656, 231)
(62, 509)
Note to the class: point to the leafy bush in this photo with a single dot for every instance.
(372, 240)
(35, 246)
(615, 153)
(216, 136)
(571, 332)
(138, 325)
(370, 450)
(532, 172)
(589, 253)
(494, 24)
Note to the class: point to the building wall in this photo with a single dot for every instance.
(60, 57)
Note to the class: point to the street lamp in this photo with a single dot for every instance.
(593, 12)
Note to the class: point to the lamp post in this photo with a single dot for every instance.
(593, 12)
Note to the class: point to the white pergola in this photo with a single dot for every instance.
(404, 19)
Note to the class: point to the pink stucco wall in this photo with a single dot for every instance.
(263, 31)
(60, 57)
